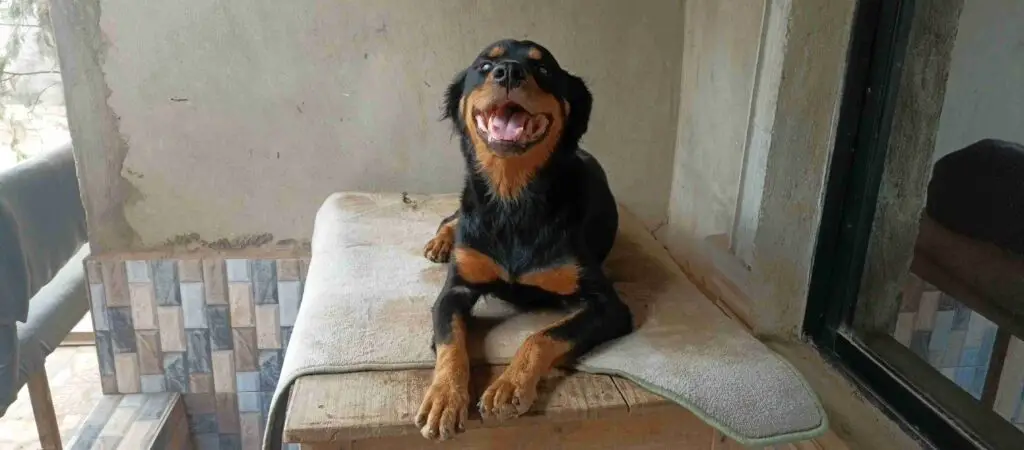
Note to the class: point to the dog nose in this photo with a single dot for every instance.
(509, 74)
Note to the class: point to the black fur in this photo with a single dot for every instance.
(565, 213)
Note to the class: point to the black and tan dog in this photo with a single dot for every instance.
(535, 223)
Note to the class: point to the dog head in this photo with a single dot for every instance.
(516, 101)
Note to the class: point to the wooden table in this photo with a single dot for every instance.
(375, 410)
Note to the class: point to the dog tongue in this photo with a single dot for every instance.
(508, 128)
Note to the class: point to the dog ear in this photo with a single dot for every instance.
(452, 97)
(580, 103)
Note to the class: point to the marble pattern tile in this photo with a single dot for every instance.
(165, 282)
(264, 281)
(212, 329)
(219, 320)
(193, 305)
(198, 352)
(215, 282)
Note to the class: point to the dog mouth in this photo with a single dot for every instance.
(509, 128)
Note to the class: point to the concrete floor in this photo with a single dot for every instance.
(75, 387)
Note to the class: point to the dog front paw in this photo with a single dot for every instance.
(444, 410)
(508, 397)
(439, 249)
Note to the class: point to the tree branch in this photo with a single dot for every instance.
(25, 74)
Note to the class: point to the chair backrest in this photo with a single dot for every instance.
(978, 191)
(42, 225)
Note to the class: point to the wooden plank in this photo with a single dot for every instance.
(42, 409)
(673, 430)
(639, 400)
(326, 408)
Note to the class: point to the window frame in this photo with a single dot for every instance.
(878, 47)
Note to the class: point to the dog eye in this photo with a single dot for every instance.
(543, 70)
(485, 66)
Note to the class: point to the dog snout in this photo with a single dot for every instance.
(509, 74)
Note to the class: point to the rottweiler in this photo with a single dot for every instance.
(536, 220)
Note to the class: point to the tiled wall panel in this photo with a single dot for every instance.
(214, 330)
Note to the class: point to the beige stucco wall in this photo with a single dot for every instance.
(236, 118)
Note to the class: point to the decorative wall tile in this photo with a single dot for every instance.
(200, 404)
(105, 352)
(288, 295)
(143, 306)
(115, 280)
(227, 413)
(244, 341)
(200, 383)
(242, 307)
(249, 402)
(287, 270)
(150, 357)
(176, 372)
(108, 383)
(127, 367)
(97, 300)
(215, 281)
(165, 281)
(193, 305)
(252, 436)
(286, 336)
(231, 441)
(190, 270)
(203, 423)
(224, 371)
(122, 331)
(198, 352)
(270, 369)
(215, 330)
(207, 441)
(219, 320)
(268, 328)
(93, 272)
(138, 271)
(172, 329)
(238, 270)
(264, 281)
(154, 383)
(247, 381)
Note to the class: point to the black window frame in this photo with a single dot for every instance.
(878, 45)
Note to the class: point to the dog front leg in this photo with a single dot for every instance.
(443, 412)
(603, 317)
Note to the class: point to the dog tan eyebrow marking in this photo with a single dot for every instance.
(496, 52)
(534, 54)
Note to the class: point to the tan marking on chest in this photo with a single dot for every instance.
(477, 268)
(562, 280)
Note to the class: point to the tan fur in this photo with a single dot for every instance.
(439, 248)
(496, 52)
(444, 410)
(562, 280)
(476, 267)
(510, 174)
(514, 391)
(535, 54)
